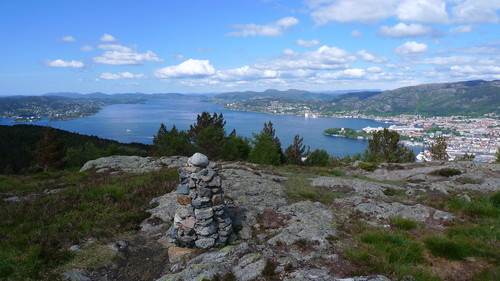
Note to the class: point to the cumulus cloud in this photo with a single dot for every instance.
(272, 29)
(461, 29)
(351, 73)
(86, 48)
(356, 33)
(419, 11)
(323, 58)
(62, 63)
(366, 11)
(121, 55)
(411, 48)
(246, 73)
(370, 57)
(374, 69)
(480, 11)
(178, 57)
(402, 30)
(122, 75)
(187, 69)
(68, 39)
(107, 38)
(426, 11)
(307, 44)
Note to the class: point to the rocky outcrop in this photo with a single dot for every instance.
(298, 240)
(133, 164)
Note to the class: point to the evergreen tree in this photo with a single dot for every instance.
(173, 142)
(49, 150)
(271, 132)
(438, 149)
(236, 148)
(211, 142)
(204, 120)
(296, 151)
(384, 147)
(318, 157)
(498, 155)
(264, 150)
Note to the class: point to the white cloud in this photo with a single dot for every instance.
(187, 69)
(374, 69)
(122, 75)
(323, 58)
(68, 39)
(481, 11)
(352, 73)
(411, 48)
(461, 29)
(307, 44)
(107, 38)
(86, 48)
(246, 73)
(356, 33)
(402, 30)
(121, 55)
(476, 69)
(178, 57)
(272, 30)
(370, 57)
(62, 63)
(366, 11)
(419, 11)
(426, 11)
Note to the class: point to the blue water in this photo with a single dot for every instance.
(140, 122)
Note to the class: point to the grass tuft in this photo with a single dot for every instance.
(402, 223)
(442, 246)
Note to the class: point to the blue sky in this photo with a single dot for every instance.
(200, 46)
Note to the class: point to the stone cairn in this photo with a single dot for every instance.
(201, 219)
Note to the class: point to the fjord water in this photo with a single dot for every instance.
(140, 122)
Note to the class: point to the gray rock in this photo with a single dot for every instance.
(183, 189)
(75, 248)
(74, 275)
(205, 243)
(249, 267)
(203, 214)
(198, 160)
(385, 210)
(311, 221)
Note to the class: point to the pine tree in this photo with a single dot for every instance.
(296, 151)
(438, 149)
(384, 147)
(50, 150)
(271, 132)
(204, 120)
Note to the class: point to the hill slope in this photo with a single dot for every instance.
(462, 98)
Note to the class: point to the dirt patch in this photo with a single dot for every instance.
(141, 259)
(272, 219)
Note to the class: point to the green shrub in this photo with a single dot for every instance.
(337, 173)
(368, 166)
(446, 172)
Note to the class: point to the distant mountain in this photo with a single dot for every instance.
(271, 93)
(461, 98)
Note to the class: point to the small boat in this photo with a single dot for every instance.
(128, 130)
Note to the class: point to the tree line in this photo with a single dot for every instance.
(27, 148)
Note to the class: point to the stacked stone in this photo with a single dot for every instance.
(201, 218)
